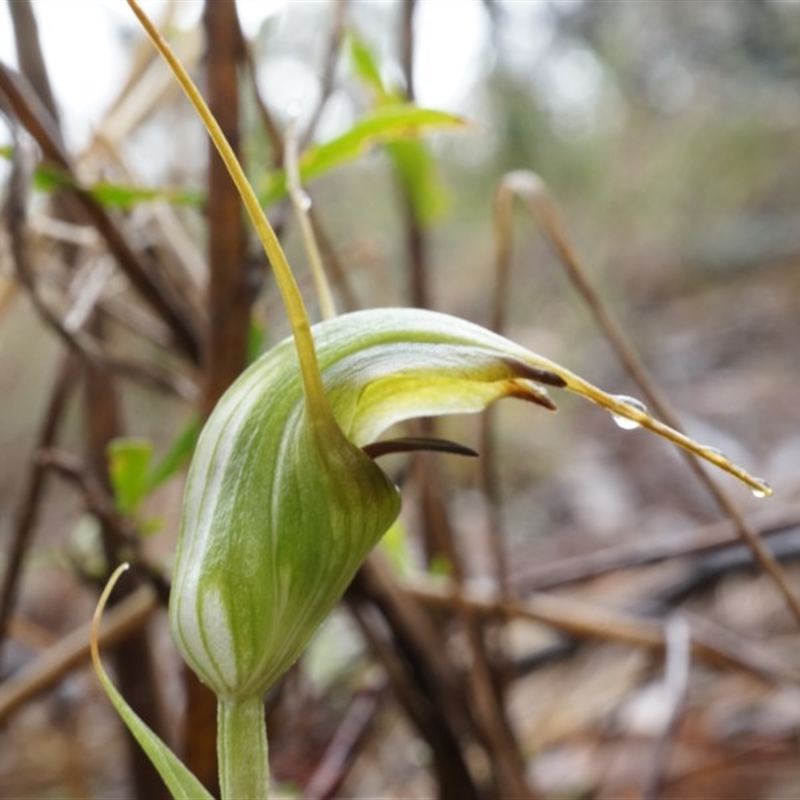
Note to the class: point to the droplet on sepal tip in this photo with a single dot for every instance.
(762, 490)
(626, 423)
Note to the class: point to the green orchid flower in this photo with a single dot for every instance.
(280, 513)
(284, 500)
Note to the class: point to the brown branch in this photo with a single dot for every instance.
(133, 660)
(333, 266)
(145, 277)
(30, 501)
(489, 470)
(342, 750)
(96, 497)
(68, 329)
(548, 574)
(420, 675)
(231, 288)
(271, 127)
(589, 621)
(72, 651)
(29, 55)
(407, 11)
(493, 726)
(328, 70)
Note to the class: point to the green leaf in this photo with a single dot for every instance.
(134, 475)
(178, 779)
(256, 335)
(49, 178)
(129, 464)
(365, 66)
(395, 544)
(115, 195)
(176, 457)
(441, 566)
(415, 168)
(417, 172)
(388, 123)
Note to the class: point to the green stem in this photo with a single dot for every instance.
(242, 749)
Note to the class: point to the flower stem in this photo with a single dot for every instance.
(242, 749)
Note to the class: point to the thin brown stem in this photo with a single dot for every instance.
(72, 651)
(271, 128)
(231, 287)
(328, 70)
(29, 54)
(340, 279)
(342, 750)
(145, 277)
(548, 573)
(584, 620)
(489, 470)
(34, 482)
(423, 680)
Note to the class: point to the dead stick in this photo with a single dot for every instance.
(72, 651)
(147, 280)
(589, 621)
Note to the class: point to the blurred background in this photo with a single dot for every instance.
(130, 296)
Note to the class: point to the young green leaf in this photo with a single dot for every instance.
(180, 782)
(121, 196)
(134, 475)
(49, 178)
(129, 462)
(176, 457)
(365, 66)
(389, 123)
(412, 161)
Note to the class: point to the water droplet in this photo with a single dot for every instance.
(637, 405)
(762, 491)
(713, 451)
(305, 201)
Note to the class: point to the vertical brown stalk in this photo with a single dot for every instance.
(493, 728)
(435, 519)
(416, 241)
(425, 683)
(30, 500)
(230, 293)
(132, 657)
(29, 54)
